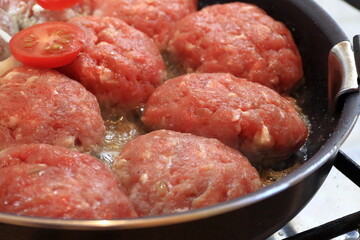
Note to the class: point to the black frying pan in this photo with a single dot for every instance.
(260, 214)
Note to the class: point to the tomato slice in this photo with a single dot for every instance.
(48, 45)
(56, 4)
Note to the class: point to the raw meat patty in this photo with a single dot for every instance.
(241, 39)
(245, 115)
(166, 172)
(49, 181)
(118, 64)
(44, 106)
(153, 17)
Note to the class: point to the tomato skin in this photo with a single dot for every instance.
(48, 45)
(56, 4)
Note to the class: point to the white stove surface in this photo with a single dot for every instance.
(338, 196)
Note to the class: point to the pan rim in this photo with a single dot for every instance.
(330, 149)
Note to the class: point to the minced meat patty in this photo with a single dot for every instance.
(44, 106)
(49, 181)
(166, 172)
(118, 64)
(153, 17)
(242, 114)
(241, 39)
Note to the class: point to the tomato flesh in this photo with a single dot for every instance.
(47, 45)
(56, 4)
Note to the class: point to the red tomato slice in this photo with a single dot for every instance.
(56, 4)
(47, 45)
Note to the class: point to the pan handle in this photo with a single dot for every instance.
(342, 75)
(348, 167)
(344, 163)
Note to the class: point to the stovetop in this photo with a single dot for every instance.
(338, 196)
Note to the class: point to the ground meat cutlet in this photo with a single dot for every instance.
(241, 39)
(242, 114)
(118, 64)
(155, 17)
(166, 172)
(44, 106)
(49, 181)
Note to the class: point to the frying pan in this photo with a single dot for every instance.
(332, 107)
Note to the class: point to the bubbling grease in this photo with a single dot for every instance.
(124, 126)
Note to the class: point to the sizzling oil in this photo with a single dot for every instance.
(123, 126)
